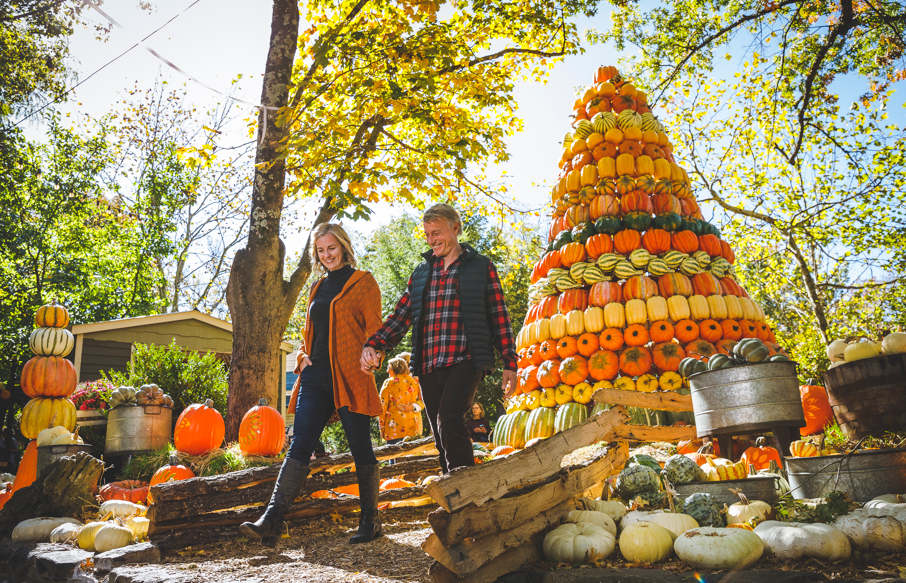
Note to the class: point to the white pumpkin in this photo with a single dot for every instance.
(835, 350)
(122, 508)
(745, 510)
(894, 343)
(138, 525)
(797, 540)
(597, 518)
(68, 438)
(112, 535)
(676, 522)
(646, 542)
(64, 533)
(711, 548)
(867, 530)
(615, 508)
(885, 500)
(636, 516)
(46, 436)
(861, 350)
(86, 536)
(39, 529)
(576, 542)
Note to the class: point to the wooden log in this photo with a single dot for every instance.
(254, 476)
(648, 433)
(518, 507)
(298, 510)
(161, 511)
(472, 554)
(478, 484)
(661, 400)
(508, 562)
(63, 488)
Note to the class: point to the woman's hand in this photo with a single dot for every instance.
(404, 407)
(480, 430)
(302, 363)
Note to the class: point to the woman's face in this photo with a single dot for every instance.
(476, 410)
(330, 252)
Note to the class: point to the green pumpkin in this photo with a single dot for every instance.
(653, 498)
(709, 229)
(779, 358)
(680, 469)
(752, 350)
(719, 361)
(609, 225)
(704, 509)
(581, 233)
(637, 221)
(634, 480)
(668, 222)
(564, 238)
(690, 366)
(693, 225)
(641, 459)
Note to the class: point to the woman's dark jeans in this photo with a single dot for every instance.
(314, 407)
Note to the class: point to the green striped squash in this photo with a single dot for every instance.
(639, 258)
(583, 129)
(567, 282)
(658, 267)
(599, 408)
(603, 121)
(608, 262)
(690, 267)
(577, 270)
(649, 122)
(569, 415)
(593, 275)
(625, 270)
(510, 429)
(51, 341)
(673, 259)
(567, 139)
(629, 119)
(540, 423)
(704, 260)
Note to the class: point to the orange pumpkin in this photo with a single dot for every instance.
(199, 429)
(549, 349)
(731, 288)
(568, 346)
(661, 331)
(545, 264)
(572, 253)
(573, 299)
(666, 203)
(761, 455)
(690, 208)
(129, 490)
(710, 330)
(395, 483)
(635, 361)
(656, 241)
(52, 315)
(818, 412)
(684, 241)
(726, 345)
(732, 330)
(523, 360)
(627, 241)
(727, 252)
(605, 292)
(534, 354)
(528, 379)
(549, 374)
(741, 525)
(667, 356)
(587, 344)
(631, 147)
(174, 471)
(687, 446)
(604, 205)
(598, 245)
(549, 307)
(573, 370)
(705, 284)
(48, 376)
(622, 103)
(636, 335)
(262, 431)
(749, 330)
(611, 339)
(635, 201)
(710, 244)
(604, 365)
(700, 349)
(686, 331)
(639, 287)
(674, 284)
(28, 468)
(762, 331)
(625, 183)
(605, 73)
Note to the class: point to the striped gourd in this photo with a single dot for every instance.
(625, 270)
(51, 341)
(556, 273)
(540, 423)
(690, 267)
(510, 429)
(583, 129)
(548, 289)
(719, 267)
(567, 139)
(41, 413)
(640, 258)
(672, 258)
(578, 269)
(703, 258)
(649, 122)
(569, 415)
(593, 275)
(658, 267)
(629, 119)
(603, 121)
(608, 262)
(567, 283)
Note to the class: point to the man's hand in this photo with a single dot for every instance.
(371, 359)
(509, 384)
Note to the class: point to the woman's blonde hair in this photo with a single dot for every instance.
(338, 232)
(480, 406)
(400, 364)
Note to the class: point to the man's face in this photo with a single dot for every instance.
(441, 236)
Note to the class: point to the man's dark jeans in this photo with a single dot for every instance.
(448, 394)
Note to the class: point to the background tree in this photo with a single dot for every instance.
(390, 100)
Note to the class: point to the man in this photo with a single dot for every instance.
(456, 307)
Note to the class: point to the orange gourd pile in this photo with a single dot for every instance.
(630, 261)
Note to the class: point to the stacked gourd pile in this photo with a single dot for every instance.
(49, 378)
(634, 279)
(120, 523)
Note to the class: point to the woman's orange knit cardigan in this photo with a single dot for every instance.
(355, 314)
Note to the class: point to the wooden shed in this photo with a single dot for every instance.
(108, 345)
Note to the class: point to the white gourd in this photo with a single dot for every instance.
(646, 542)
(867, 530)
(139, 526)
(64, 533)
(614, 508)
(894, 343)
(746, 509)
(39, 529)
(835, 350)
(87, 534)
(122, 508)
(576, 542)
(46, 436)
(68, 438)
(112, 536)
(636, 516)
(860, 351)
(597, 518)
(885, 500)
(675, 522)
(711, 548)
(797, 540)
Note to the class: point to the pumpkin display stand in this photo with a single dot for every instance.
(136, 428)
(868, 396)
(755, 398)
(862, 476)
(91, 418)
(48, 454)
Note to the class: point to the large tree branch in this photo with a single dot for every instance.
(30, 13)
(866, 285)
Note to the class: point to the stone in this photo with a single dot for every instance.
(59, 565)
(137, 553)
(148, 575)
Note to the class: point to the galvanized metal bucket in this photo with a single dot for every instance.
(745, 399)
(90, 418)
(862, 476)
(135, 428)
(48, 454)
(761, 488)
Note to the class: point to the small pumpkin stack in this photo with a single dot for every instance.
(49, 378)
(634, 279)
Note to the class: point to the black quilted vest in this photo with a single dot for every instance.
(471, 284)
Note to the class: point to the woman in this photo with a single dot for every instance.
(478, 425)
(344, 309)
(402, 402)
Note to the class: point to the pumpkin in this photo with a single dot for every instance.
(684, 242)
(528, 379)
(122, 508)
(731, 330)
(68, 438)
(870, 532)
(262, 431)
(761, 455)
(715, 549)
(47, 436)
(675, 522)
(637, 516)
(540, 423)
(627, 241)
(701, 455)
(112, 535)
(129, 490)
(656, 241)
(674, 284)
(646, 542)
(726, 471)
(171, 472)
(640, 287)
(797, 540)
(710, 330)
(815, 404)
(48, 376)
(636, 335)
(679, 469)
(661, 331)
(601, 519)
(40, 413)
(51, 341)
(568, 346)
(138, 525)
(39, 529)
(572, 299)
(397, 483)
(686, 331)
(746, 510)
(64, 533)
(510, 429)
(28, 468)
(605, 292)
(569, 415)
(700, 349)
(725, 346)
(667, 356)
(614, 508)
(52, 315)
(894, 343)
(573, 370)
(603, 365)
(122, 396)
(577, 543)
(611, 339)
(804, 448)
(199, 429)
(587, 344)
(861, 350)
(635, 361)
(548, 373)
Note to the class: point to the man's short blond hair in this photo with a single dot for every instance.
(444, 212)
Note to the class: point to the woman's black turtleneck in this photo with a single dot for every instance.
(320, 315)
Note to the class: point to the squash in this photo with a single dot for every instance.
(199, 429)
(41, 413)
(835, 350)
(894, 343)
(68, 438)
(51, 341)
(48, 376)
(129, 490)
(39, 529)
(601, 519)
(577, 543)
(761, 455)
(615, 509)
(138, 525)
(817, 408)
(715, 549)
(86, 536)
(745, 510)
(64, 533)
(797, 540)
(52, 315)
(646, 542)
(46, 436)
(637, 516)
(861, 350)
(122, 508)
(112, 535)
(122, 396)
(675, 522)
(869, 532)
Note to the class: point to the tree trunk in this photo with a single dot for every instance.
(258, 297)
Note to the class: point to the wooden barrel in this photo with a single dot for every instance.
(869, 396)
